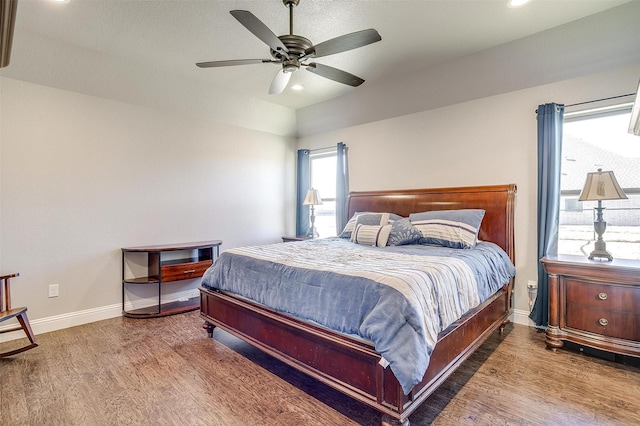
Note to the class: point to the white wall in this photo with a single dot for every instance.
(83, 176)
(481, 142)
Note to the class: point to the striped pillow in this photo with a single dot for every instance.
(371, 235)
(449, 228)
(365, 218)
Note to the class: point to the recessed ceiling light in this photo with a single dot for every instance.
(297, 87)
(60, 1)
(517, 3)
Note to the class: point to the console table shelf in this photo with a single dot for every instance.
(162, 264)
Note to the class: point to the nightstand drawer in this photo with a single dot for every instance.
(607, 322)
(184, 271)
(603, 296)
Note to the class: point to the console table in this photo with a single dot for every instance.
(160, 264)
(594, 303)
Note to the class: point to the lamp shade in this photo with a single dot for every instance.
(312, 198)
(601, 186)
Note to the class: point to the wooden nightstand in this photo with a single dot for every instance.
(594, 303)
(288, 238)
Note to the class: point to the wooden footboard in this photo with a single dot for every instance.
(350, 365)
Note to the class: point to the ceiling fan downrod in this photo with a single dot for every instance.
(291, 4)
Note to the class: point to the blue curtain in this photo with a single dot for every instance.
(342, 187)
(304, 183)
(549, 158)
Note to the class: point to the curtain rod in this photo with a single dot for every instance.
(600, 100)
(321, 149)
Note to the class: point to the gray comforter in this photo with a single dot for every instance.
(399, 298)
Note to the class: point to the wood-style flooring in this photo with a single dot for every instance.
(165, 371)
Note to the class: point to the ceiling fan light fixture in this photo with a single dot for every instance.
(290, 65)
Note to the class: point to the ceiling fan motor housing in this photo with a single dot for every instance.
(295, 44)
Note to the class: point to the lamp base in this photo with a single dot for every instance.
(312, 229)
(601, 254)
(600, 247)
(312, 233)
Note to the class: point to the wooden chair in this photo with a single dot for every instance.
(6, 313)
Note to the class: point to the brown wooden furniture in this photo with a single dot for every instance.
(352, 366)
(7, 313)
(289, 238)
(162, 264)
(594, 303)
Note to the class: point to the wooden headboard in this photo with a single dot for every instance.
(498, 202)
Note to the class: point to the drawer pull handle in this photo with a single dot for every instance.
(602, 296)
(603, 321)
(190, 271)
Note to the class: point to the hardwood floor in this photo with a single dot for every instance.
(165, 371)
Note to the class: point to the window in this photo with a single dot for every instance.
(591, 140)
(323, 178)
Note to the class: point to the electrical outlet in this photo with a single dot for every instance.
(53, 290)
(532, 284)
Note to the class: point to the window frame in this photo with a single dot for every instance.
(569, 196)
(319, 155)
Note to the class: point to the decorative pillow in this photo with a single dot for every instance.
(371, 235)
(403, 232)
(368, 218)
(449, 228)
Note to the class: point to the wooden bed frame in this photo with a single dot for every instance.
(352, 366)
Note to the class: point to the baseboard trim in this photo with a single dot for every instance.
(62, 321)
(521, 316)
(72, 319)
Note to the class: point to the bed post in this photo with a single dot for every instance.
(387, 420)
(209, 327)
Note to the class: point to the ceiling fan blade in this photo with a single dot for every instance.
(279, 82)
(233, 62)
(260, 30)
(335, 74)
(344, 43)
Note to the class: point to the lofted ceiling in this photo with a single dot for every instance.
(167, 37)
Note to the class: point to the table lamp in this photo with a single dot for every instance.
(601, 186)
(312, 199)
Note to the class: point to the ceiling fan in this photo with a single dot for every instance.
(292, 51)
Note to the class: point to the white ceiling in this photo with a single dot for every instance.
(167, 37)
